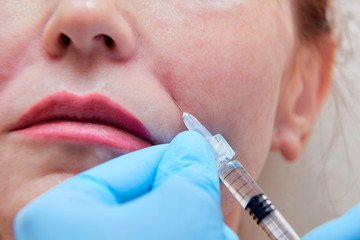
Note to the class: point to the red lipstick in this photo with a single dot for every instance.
(93, 118)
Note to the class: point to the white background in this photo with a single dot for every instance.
(325, 181)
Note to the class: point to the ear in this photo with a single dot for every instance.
(301, 96)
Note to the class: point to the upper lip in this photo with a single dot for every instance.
(94, 107)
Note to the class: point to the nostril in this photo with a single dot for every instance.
(106, 40)
(109, 42)
(64, 40)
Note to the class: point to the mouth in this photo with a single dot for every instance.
(93, 118)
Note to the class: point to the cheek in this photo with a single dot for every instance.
(228, 75)
(21, 25)
(213, 62)
(225, 84)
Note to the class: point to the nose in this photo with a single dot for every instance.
(86, 27)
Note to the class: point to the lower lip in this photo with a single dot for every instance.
(86, 133)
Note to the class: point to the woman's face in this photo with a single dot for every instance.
(73, 72)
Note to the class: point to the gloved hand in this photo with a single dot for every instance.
(346, 227)
(168, 191)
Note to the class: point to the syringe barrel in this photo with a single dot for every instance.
(276, 227)
(238, 181)
(252, 198)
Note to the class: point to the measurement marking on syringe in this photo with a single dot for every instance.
(247, 193)
(236, 179)
(240, 187)
(282, 233)
(229, 174)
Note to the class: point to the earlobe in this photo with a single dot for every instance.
(301, 97)
(287, 142)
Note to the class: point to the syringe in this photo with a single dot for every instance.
(243, 186)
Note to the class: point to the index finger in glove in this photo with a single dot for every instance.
(189, 158)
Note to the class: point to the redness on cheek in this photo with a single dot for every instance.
(19, 52)
(7, 69)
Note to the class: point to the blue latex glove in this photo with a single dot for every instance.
(346, 227)
(167, 192)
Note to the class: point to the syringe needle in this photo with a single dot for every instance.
(193, 124)
(178, 106)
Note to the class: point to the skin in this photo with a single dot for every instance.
(232, 64)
